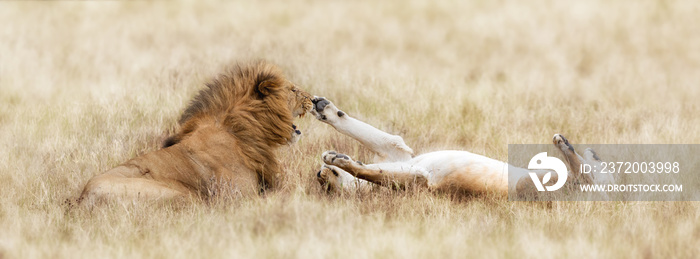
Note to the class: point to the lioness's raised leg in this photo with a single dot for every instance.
(388, 147)
(572, 158)
(393, 175)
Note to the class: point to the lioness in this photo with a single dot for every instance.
(459, 172)
(225, 142)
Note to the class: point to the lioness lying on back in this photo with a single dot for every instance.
(448, 171)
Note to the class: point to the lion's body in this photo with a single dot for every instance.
(225, 143)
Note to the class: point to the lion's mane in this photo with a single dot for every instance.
(248, 102)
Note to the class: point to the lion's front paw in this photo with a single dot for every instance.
(296, 135)
(325, 110)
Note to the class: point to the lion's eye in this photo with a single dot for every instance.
(294, 90)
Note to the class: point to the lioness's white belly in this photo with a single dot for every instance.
(466, 167)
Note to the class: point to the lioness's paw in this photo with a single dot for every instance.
(328, 177)
(337, 159)
(562, 143)
(591, 155)
(325, 110)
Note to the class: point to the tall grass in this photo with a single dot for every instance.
(87, 85)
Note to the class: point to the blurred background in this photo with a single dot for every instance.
(85, 86)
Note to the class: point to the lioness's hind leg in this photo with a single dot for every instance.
(572, 158)
(393, 175)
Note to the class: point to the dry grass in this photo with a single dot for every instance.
(87, 85)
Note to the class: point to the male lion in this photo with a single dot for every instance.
(450, 171)
(225, 142)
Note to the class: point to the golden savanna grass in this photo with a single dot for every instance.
(85, 86)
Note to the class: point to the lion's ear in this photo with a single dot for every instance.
(266, 87)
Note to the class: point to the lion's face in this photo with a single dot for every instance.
(299, 101)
